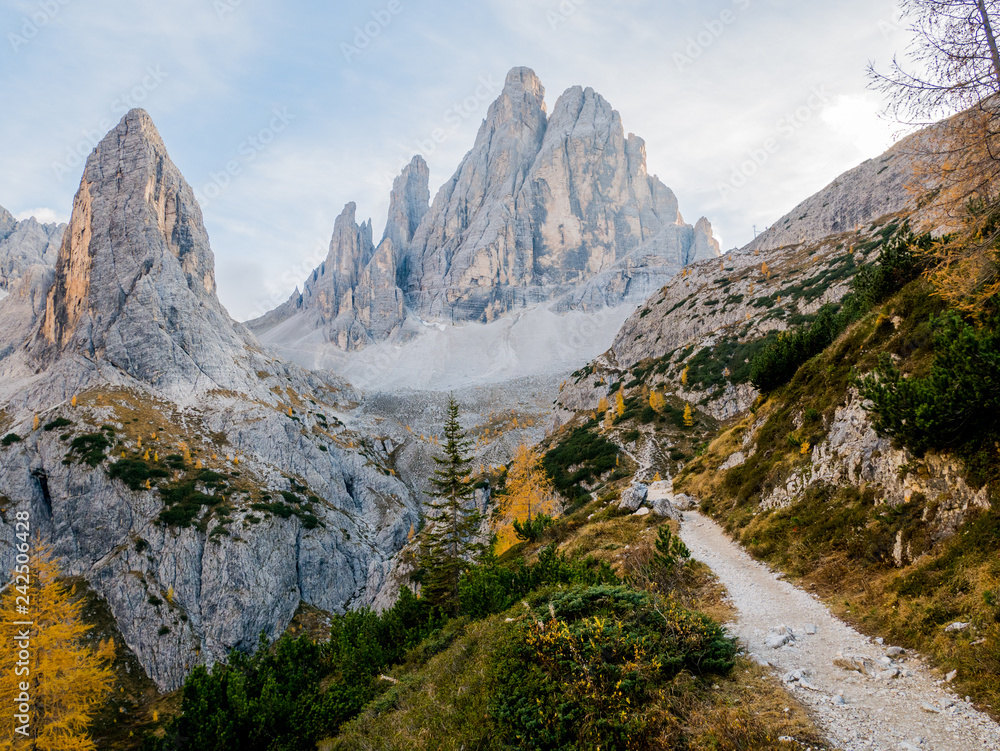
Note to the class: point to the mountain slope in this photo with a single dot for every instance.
(203, 488)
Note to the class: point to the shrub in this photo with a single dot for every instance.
(586, 670)
(9, 439)
(60, 422)
(532, 529)
(134, 473)
(582, 456)
(777, 363)
(671, 552)
(90, 448)
(957, 405)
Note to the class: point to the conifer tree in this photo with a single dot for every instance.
(620, 403)
(454, 521)
(67, 680)
(688, 416)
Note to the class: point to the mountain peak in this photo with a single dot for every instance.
(134, 260)
(524, 79)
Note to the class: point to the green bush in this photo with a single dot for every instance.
(532, 529)
(134, 473)
(588, 454)
(492, 588)
(777, 363)
(9, 439)
(587, 668)
(60, 422)
(90, 448)
(274, 700)
(956, 406)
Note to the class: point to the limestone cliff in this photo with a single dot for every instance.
(553, 209)
(203, 488)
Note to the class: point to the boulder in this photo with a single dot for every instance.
(633, 497)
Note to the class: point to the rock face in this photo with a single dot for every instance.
(23, 246)
(28, 252)
(353, 298)
(135, 277)
(129, 341)
(894, 182)
(543, 208)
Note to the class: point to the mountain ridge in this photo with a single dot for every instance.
(541, 206)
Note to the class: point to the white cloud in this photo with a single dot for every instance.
(856, 119)
(45, 216)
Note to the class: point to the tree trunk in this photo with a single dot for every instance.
(991, 39)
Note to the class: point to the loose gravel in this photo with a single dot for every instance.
(863, 695)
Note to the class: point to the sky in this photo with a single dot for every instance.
(280, 113)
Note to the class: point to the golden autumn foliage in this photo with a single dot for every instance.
(688, 416)
(602, 405)
(35, 423)
(684, 376)
(657, 400)
(620, 403)
(67, 680)
(528, 493)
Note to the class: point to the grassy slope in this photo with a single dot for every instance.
(442, 702)
(839, 540)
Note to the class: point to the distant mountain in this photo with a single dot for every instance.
(28, 252)
(553, 209)
(24, 245)
(203, 488)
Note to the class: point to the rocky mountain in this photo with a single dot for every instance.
(556, 209)
(28, 252)
(25, 246)
(898, 181)
(203, 488)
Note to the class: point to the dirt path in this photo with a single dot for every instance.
(893, 703)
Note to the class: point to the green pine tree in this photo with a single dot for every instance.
(453, 522)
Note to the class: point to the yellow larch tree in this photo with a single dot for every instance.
(528, 493)
(602, 405)
(620, 403)
(66, 681)
(684, 376)
(688, 416)
(657, 400)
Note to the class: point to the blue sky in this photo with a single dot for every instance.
(280, 113)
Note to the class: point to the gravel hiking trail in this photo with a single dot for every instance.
(862, 694)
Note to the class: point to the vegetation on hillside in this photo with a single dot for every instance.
(927, 376)
(585, 635)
